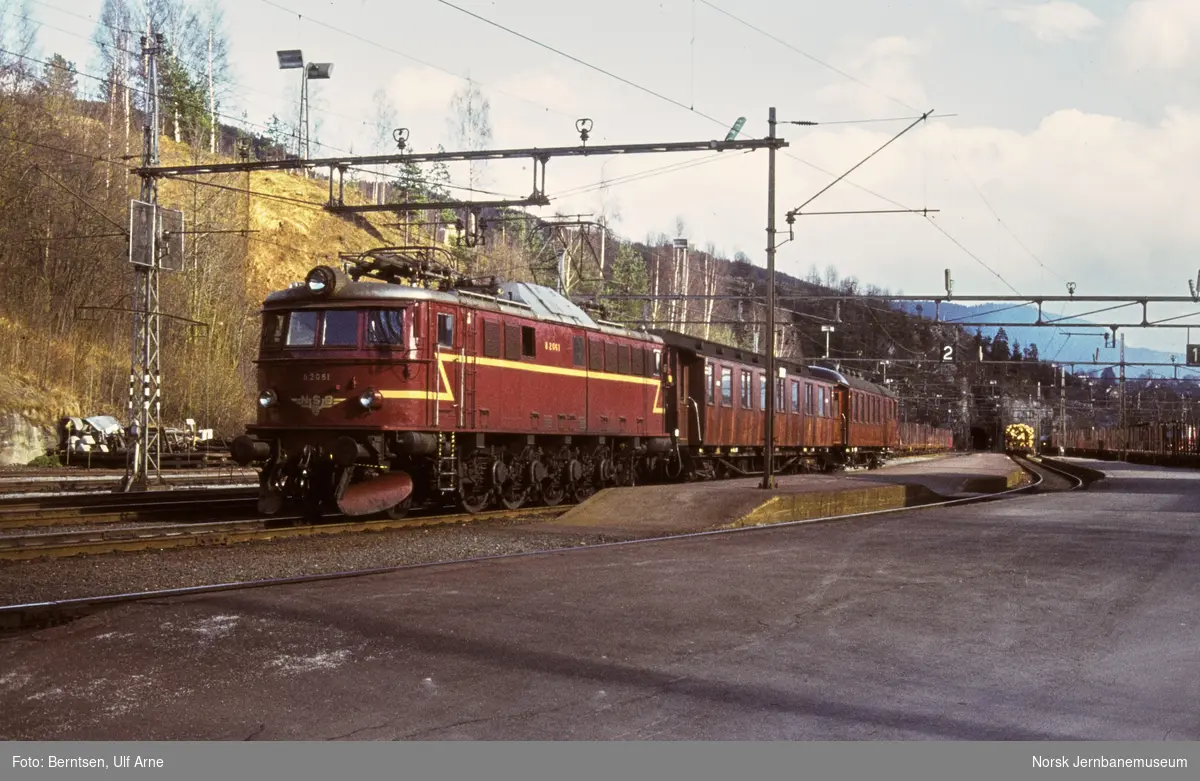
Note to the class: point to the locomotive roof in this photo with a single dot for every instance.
(518, 298)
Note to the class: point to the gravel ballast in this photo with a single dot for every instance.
(44, 580)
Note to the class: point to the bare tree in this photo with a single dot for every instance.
(471, 126)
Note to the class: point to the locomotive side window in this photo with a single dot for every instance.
(528, 341)
(578, 351)
(745, 386)
(710, 390)
(610, 357)
(340, 328)
(648, 360)
(623, 359)
(385, 326)
(445, 330)
(302, 329)
(491, 339)
(273, 327)
(512, 342)
(726, 387)
(595, 355)
(637, 359)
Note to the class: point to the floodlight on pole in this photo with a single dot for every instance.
(293, 59)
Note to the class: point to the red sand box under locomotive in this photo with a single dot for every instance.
(396, 384)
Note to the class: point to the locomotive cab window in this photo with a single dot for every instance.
(385, 327)
(302, 329)
(657, 363)
(274, 325)
(340, 328)
(445, 330)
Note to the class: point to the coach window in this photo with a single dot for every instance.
(577, 356)
(710, 391)
(780, 402)
(796, 396)
(762, 391)
(302, 329)
(385, 327)
(528, 341)
(746, 397)
(273, 327)
(445, 330)
(808, 398)
(821, 401)
(726, 387)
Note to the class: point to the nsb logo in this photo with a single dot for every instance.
(314, 403)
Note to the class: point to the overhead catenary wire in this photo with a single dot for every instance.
(805, 54)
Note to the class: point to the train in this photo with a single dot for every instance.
(1166, 443)
(393, 383)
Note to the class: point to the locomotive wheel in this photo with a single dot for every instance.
(553, 493)
(474, 501)
(513, 498)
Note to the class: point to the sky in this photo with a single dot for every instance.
(1063, 148)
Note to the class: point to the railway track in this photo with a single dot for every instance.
(12, 484)
(100, 541)
(112, 508)
(50, 613)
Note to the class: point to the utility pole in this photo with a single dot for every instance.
(144, 355)
(1062, 408)
(1121, 425)
(769, 452)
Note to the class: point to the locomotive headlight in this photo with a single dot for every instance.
(267, 398)
(321, 280)
(370, 399)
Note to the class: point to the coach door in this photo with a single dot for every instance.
(841, 411)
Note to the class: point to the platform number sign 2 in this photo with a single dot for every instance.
(947, 353)
(1193, 355)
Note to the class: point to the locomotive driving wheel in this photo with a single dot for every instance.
(515, 490)
(474, 492)
(554, 485)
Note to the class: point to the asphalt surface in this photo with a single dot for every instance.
(1059, 616)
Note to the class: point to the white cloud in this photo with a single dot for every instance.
(1053, 21)
(886, 70)
(1160, 34)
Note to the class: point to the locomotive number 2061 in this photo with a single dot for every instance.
(316, 376)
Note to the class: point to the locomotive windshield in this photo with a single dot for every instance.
(333, 328)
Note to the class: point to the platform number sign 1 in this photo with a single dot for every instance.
(1193, 355)
(947, 353)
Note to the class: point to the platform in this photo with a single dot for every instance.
(706, 506)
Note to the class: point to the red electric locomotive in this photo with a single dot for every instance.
(395, 383)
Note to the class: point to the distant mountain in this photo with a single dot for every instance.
(1053, 343)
